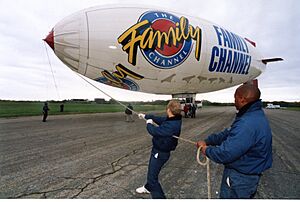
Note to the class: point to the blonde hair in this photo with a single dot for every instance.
(174, 107)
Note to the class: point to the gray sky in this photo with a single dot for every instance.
(25, 73)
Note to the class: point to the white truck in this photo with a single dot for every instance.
(271, 106)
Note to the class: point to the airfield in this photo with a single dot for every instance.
(101, 156)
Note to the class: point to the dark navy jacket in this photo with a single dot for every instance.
(162, 135)
(247, 145)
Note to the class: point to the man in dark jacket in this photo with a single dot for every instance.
(45, 111)
(193, 109)
(245, 149)
(163, 143)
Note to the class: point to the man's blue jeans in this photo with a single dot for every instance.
(156, 162)
(238, 185)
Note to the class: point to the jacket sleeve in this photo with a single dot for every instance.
(217, 138)
(163, 130)
(238, 142)
(156, 119)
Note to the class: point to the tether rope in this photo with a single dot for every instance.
(205, 163)
(52, 72)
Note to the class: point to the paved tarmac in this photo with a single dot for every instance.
(102, 156)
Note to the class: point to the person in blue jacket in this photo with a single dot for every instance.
(162, 130)
(245, 149)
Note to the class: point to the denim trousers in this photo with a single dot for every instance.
(156, 162)
(238, 185)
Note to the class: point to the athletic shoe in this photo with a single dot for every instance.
(142, 190)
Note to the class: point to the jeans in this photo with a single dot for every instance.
(238, 185)
(156, 162)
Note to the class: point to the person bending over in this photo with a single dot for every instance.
(162, 130)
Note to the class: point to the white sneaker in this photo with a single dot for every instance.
(142, 190)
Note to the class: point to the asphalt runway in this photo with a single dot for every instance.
(102, 156)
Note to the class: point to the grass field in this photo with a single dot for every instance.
(15, 109)
(292, 108)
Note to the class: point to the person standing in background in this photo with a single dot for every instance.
(128, 113)
(45, 111)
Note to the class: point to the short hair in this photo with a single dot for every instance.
(249, 91)
(174, 107)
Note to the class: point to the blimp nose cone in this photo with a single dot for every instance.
(50, 39)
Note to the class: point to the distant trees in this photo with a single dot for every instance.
(208, 103)
(283, 104)
(155, 102)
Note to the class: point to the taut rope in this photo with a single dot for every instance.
(52, 71)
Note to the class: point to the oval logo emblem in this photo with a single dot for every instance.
(168, 55)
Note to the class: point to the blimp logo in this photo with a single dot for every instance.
(126, 83)
(164, 39)
(120, 79)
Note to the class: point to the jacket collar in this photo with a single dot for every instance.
(176, 117)
(251, 106)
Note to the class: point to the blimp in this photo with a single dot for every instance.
(152, 50)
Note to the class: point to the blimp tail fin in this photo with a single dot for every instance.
(265, 61)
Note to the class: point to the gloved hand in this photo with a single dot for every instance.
(141, 116)
(149, 121)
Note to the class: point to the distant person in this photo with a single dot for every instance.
(245, 148)
(62, 107)
(185, 110)
(194, 108)
(128, 113)
(45, 111)
(190, 113)
(189, 110)
(163, 143)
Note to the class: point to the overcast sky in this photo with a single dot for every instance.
(25, 73)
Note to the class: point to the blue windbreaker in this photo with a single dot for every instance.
(247, 145)
(162, 135)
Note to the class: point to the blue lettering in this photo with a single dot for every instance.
(235, 63)
(213, 64)
(237, 42)
(233, 40)
(226, 39)
(245, 44)
(230, 40)
(222, 59)
(239, 64)
(248, 64)
(243, 65)
(219, 34)
(228, 63)
(241, 44)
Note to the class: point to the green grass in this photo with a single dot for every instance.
(15, 109)
(292, 108)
